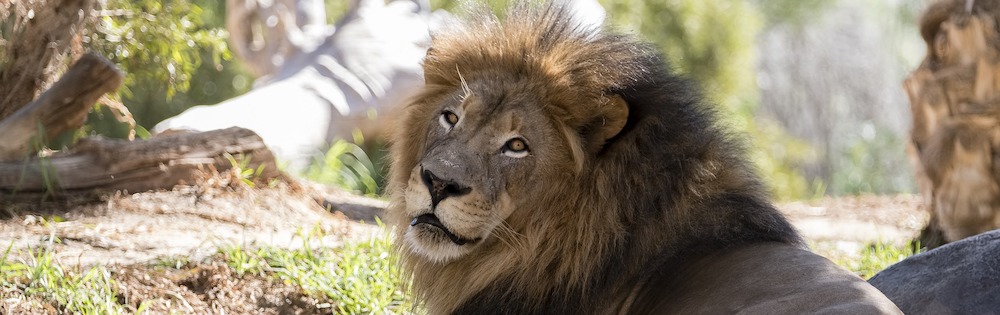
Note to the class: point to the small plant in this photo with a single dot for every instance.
(346, 165)
(46, 170)
(173, 262)
(243, 262)
(240, 168)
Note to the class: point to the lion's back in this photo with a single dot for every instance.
(767, 278)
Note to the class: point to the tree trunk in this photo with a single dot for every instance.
(42, 33)
(955, 99)
(62, 108)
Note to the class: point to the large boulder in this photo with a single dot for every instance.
(958, 278)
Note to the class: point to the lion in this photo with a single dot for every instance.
(552, 168)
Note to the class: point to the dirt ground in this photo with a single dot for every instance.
(841, 227)
(132, 234)
(188, 222)
(209, 287)
(129, 233)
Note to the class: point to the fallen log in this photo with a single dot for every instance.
(352, 206)
(62, 108)
(96, 166)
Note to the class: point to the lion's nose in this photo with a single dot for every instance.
(441, 188)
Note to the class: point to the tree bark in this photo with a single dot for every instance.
(955, 100)
(43, 32)
(62, 108)
(97, 165)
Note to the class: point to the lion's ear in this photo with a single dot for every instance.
(614, 115)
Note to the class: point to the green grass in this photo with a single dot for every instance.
(75, 292)
(874, 257)
(877, 257)
(362, 278)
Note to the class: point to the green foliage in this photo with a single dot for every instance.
(335, 9)
(790, 11)
(243, 262)
(154, 41)
(452, 4)
(775, 155)
(876, 257)
(172, 262)
(864, 166)
(348, 166)
(162, 46)
(910, 10)
(711, 41)
(240, 166)
(50, 177)
(362, 278)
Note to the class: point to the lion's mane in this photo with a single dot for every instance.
(669, 187)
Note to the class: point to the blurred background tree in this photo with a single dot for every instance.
(175, 56)
(833, 80)
(814, 83)
(713, 42)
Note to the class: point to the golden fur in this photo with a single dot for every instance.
(625, 175)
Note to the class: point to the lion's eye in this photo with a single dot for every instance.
(449, 119)
(516, 147)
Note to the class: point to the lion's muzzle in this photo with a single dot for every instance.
(449, 214)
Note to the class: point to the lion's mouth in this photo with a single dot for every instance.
(432, 220)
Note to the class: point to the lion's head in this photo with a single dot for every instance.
(490, 148)
(503, 137)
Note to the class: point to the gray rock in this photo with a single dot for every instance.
(958, 278)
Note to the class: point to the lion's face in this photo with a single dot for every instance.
(489, 148)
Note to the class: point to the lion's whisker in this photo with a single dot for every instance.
(466, 91)
(505, 233)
